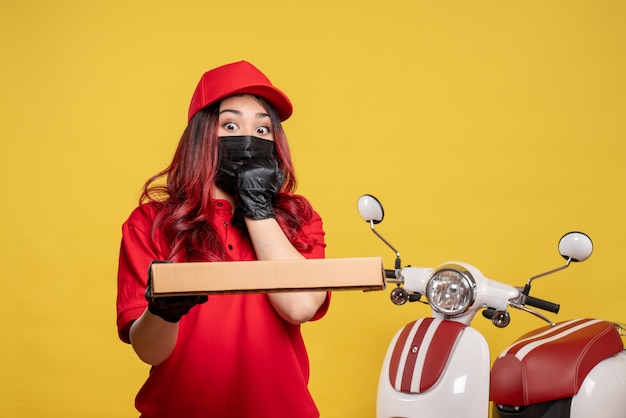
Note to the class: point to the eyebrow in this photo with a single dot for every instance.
(238, 113)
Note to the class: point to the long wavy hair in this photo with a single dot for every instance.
(184, 203)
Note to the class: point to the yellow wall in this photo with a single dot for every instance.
(488, 129)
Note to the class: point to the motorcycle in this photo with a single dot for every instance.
(439, 366)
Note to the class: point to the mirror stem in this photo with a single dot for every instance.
(383, 239)
(398, 265)
(527, 287)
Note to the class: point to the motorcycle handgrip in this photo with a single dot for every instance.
(489, 312)
(390, 274)
(543, 304)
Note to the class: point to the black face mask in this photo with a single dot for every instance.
(233, 152)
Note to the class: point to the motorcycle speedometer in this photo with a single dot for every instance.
(451, 290)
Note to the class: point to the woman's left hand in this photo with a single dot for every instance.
(258, 182)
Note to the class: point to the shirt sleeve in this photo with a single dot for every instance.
(315, 230)
(137, 250)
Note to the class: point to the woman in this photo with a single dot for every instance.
(228, 195)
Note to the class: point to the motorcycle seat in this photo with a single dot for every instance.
(551, 362)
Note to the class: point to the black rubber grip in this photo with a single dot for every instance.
(390, 274)
(542, 304)
(488, 313)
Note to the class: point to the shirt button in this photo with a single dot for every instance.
(219, 204)
(230, 247)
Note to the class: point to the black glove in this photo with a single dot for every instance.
(170, 308)
(258, 182)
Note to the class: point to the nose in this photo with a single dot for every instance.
(248, 130)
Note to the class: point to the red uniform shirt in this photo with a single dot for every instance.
(235, 356)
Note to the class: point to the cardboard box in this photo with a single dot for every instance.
(169, 279)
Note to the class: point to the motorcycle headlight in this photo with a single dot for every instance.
(451, 290)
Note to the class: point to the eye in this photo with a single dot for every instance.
(230, 126)
(262, 130)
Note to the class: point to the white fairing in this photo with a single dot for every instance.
(489, 293)
(462, 391)
(603, 392)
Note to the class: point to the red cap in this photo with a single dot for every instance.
(238, 78)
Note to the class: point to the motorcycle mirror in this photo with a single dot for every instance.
(575, 246)
(370, 209)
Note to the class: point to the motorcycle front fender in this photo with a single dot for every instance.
(462, 389)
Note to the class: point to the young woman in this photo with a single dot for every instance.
(228, 196)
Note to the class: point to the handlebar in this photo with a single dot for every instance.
(490, 313)
(543, 304)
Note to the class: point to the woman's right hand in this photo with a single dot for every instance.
(154, 334)
(171, 308)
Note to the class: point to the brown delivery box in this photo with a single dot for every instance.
(267, 276)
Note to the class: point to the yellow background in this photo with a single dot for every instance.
(487, 128)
